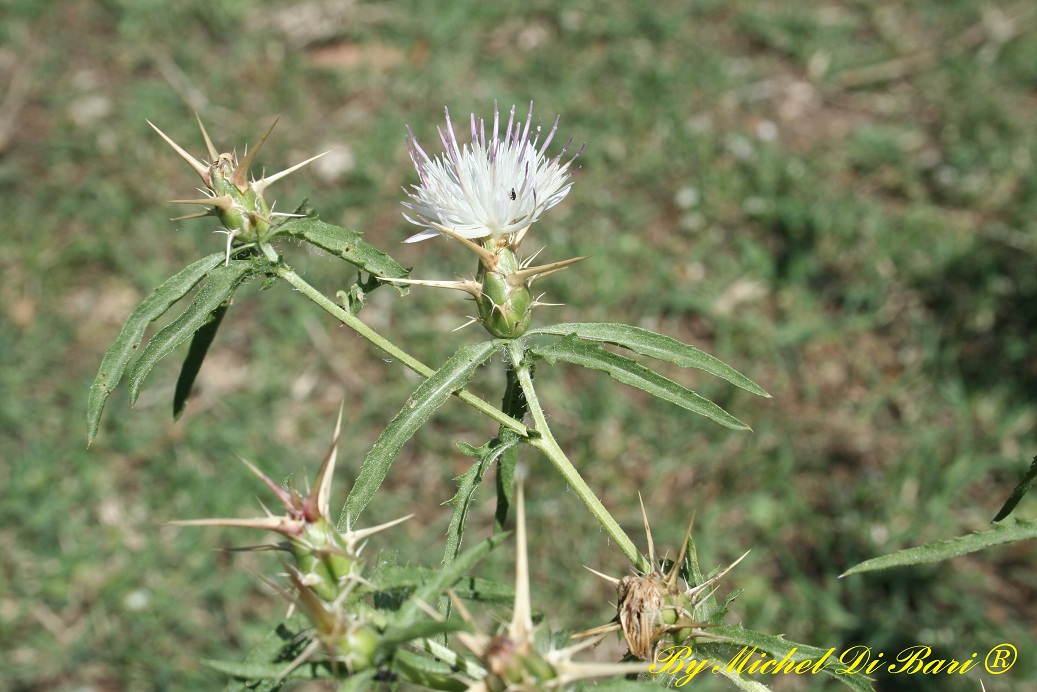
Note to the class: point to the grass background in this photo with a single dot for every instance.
(837, 198)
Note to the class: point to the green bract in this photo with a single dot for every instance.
(505, 304)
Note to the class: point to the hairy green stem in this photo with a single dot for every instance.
(547, 444)
(353, 322)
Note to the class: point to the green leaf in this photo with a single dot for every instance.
(445, 578)
(281, 645)
(432, 393)
(358, 682)
(426, 672)
(656, 346)
(620, 685)
(195, 356)
(411, 577)
(267, 672)
(468, 483)
(348, 245)
(744, 684)
(221, 284)
(398, 636)
(267, 661)
(1024, 487)
(514, 404)
(743, 646)
(1009, 531)
(622, 369)
(154, 306)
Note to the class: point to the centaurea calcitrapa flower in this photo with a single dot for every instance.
(653, 610)
(486, 195)
(513, 661)
(229, 193)
(328, 566)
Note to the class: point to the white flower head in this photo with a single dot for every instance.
(487, 188)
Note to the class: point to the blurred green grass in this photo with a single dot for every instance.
(769, 181)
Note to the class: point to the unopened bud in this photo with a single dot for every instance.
(505, 300)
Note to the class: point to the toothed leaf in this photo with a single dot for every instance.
(221, 284)
(654, 345)
(121, 352)
(432, 393)
(571, 349)
(776, 647)
(468, 483)
(1008, 531)
(348, 245)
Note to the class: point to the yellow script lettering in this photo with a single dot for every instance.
(911, 659)
(672, 658)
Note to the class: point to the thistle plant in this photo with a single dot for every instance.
(361, 623)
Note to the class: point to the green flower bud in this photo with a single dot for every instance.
(244, 213)
(357, 648)
(230, 195)
(325, 557)
(504, 299)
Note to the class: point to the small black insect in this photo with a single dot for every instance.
(513, 195)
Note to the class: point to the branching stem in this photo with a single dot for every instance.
(353, 322)
(546, 443)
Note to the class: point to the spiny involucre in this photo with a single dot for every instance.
(327, 558)
(652, 610)
(230, 194)
(327, 573)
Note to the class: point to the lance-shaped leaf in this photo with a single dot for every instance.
(1008, 531)
(267, 676)
(572, 349)
(394, 637)
(468, 483)
(349, 245)
(622, 685)
(737, 647)
(195, 357)
(426, 672)
(444, 579)
(119, 355)
(432, 393)
(221, 284)
(654, 345)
